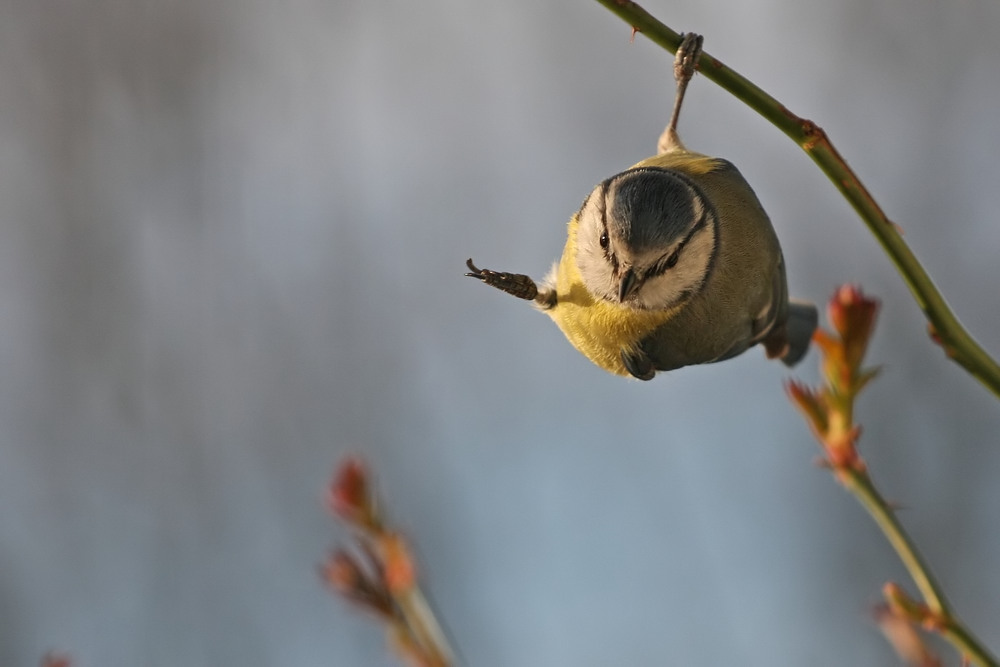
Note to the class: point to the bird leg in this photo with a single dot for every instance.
(685, 64)
(516, 284)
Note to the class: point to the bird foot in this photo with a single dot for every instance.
(516, 284)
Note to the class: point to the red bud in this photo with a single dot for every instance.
(350, 496)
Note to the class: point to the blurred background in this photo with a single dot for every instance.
(232, 238)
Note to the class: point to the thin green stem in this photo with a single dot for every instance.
(425, 628)
(958, 344)
(921, 615)
(968, 645)
(859, 483)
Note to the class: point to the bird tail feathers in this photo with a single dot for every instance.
(802, 321)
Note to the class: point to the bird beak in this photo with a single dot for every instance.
(628, 285)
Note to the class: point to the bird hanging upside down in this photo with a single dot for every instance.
(670, 263)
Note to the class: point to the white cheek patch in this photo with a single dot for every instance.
(594, 267)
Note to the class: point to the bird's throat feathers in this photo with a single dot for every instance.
(598, 328)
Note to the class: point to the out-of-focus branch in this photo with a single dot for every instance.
(53, 659)
(380, 577)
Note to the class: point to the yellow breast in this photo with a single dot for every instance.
(597, 328)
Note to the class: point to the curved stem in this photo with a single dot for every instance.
(425, 627)
(958, 344)
(969, 646)
(860, 484)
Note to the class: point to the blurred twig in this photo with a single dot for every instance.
(904, 637)
(944, 327)
(829, 411)
(53, 659)
(381, 577)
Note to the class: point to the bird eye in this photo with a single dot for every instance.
(604, 240)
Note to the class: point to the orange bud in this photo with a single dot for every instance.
(839, 306)
(343, 573)
(56, 660)
(904, 638)
(903, 605)
(399, 569)
(853, 316)
(810, 403)
(842, 450)
(826, 343)
(350, 494)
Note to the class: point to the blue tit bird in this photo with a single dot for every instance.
(670, 263)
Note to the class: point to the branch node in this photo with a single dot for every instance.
(813, 133)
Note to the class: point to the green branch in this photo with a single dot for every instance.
(829, 411)
(859, 483)
(945, 327)
(938, 613)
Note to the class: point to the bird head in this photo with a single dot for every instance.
(646, 238)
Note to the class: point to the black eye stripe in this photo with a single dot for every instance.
(602, 206)
(600, 192)
(670, 261)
